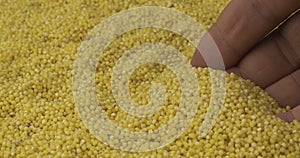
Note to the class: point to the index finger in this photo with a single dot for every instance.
(242, 24)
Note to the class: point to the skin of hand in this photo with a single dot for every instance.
(259, 40)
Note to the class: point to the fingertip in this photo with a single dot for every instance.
(197, 60)
(296, 113)
(286, 116)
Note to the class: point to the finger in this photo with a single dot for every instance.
(287, 90)
(210, 52)
(243, 23)
(289, 116)
(275, 57)
(286, 116)
(296, 113)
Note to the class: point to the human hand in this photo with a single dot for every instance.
(243, 34)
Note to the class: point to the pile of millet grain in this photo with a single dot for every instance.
(38, 45)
